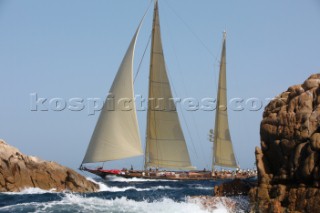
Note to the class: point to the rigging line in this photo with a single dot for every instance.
(145, 50)
(176, 94)
(184, 119)
(186, 124)
(148, 42)
(190, 29)
(215, 56)
(198, 135)
(203, 158)
(195, 35)
(216, 60)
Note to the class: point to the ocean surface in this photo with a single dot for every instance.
(119, 195)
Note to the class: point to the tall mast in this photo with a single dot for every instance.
(223, 154)
(149, 91)
(165, 143)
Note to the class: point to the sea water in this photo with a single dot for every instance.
(119, 195)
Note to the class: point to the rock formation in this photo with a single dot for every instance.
(288, 160)
(18, 171)
(234, 188)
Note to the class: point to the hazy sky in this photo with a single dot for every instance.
(72, 49)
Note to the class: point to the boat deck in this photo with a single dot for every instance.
(169, 175)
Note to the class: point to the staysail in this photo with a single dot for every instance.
(223, 150)
(165, 143)
(116, 135)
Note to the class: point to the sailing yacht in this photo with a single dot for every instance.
(116, 135)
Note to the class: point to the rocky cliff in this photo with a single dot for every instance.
(288, 161)
(18, 171)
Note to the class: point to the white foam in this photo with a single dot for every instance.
(202, 188)
(117, 189)
(220, 209)
(73, 202)
(102, 187)
(32, 191)
(105, 188)
(80, 203)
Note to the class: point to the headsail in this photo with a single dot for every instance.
(165, 143)
(223, 150)
(116, 135)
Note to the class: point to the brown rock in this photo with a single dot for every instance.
(287, 146)
(315, 141)
(288, 162)
(18, 171)
(275, 207)
(233, 188)
(311, 83)
(309, 165)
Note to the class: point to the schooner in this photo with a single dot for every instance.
(116, 135)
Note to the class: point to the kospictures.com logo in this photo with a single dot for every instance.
(112, 103)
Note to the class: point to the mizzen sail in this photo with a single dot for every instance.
(165, 143)
(223, 150)
(116, 135)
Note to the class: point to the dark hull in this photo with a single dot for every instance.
(183, 176)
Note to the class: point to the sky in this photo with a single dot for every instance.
(61, 50)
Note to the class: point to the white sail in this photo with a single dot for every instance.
(116, 135)
(223, 150)
(165, 143)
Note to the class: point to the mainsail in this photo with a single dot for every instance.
(223, 150)
(116, 135)
(165, 143)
